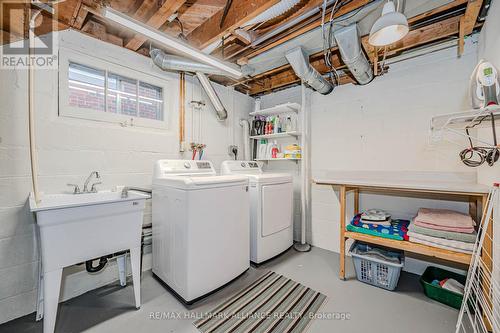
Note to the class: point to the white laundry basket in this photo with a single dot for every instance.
(374, 271)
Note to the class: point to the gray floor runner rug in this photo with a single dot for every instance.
(273, 303)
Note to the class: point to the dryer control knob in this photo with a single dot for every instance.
(243, 165)
(187, 165)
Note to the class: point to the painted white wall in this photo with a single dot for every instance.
(384, 126)
(69, 149)
(489, 49)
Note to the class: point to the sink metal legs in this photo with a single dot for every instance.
(50, 286)
(121, 262)
(135, 260)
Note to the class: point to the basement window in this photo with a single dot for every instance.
(110, 93)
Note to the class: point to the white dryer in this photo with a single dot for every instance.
(271, 209)
(200, 227)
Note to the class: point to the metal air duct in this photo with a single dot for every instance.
(180, 64)
(350, 50)
(303, 69)
(212, 95)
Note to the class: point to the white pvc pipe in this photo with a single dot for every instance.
(246, 139)
(31, 112)
(305, 164)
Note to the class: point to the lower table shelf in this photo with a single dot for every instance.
(426, 250)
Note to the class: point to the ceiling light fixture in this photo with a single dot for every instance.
(170, 42)
(389, 28)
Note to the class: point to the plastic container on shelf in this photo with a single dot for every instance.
(376, 271)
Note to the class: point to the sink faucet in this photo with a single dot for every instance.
(87, 181)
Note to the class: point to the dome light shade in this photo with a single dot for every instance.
(389, 28)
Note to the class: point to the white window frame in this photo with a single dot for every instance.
(69, 56)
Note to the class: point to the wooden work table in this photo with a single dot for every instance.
(473, 193)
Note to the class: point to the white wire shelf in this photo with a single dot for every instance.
(462, 119)
(276, 135)
(277, 159)
(278, 109)
(456, 123)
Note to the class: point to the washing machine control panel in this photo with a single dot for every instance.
(244, 167)
(178, 167)
(204, 165)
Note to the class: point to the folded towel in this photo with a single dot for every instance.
(420, 241)
(468, 230)
(397, 229)
(444, 218)
(459, 236)
(441, 241)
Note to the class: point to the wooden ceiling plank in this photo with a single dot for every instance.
(144, 9)
(351, 6)
(156, 21)
(240, 12)
(79, 16)
(417, 37)
(471, 14)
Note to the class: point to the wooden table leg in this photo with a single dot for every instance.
(356, 201)
(342, 195)
(473, 208)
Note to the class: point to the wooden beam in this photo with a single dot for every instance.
(286, 36)
(98, 31)
(156, 21)
(461, 35)
(144, 9)
(284, 75)
(471, 14)
(79, 16)
(240, 12)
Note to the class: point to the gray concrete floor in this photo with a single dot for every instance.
(370, 309)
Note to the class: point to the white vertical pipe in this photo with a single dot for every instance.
(31, 112)
(246, 139)
(304, 170)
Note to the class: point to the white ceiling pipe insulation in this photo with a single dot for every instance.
(303, 69)
(349, 46)
(212, 95)
(170, 42)
(274, 11)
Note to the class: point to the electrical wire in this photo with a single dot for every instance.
(475, 156)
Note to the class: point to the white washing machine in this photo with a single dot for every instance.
(271, 209)
(200, 227)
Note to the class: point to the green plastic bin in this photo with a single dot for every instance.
(440, 294)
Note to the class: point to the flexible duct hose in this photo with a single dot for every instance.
(303, 69)
(212, 95)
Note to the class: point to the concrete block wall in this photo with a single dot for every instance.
(384, 126)
(70, 148)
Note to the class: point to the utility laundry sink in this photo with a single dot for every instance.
(74, 228)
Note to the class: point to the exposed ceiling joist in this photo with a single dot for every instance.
(287, 35)
(79, 16)
(471, 14)
(156, 21)
(240, 12)
(266, 82)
